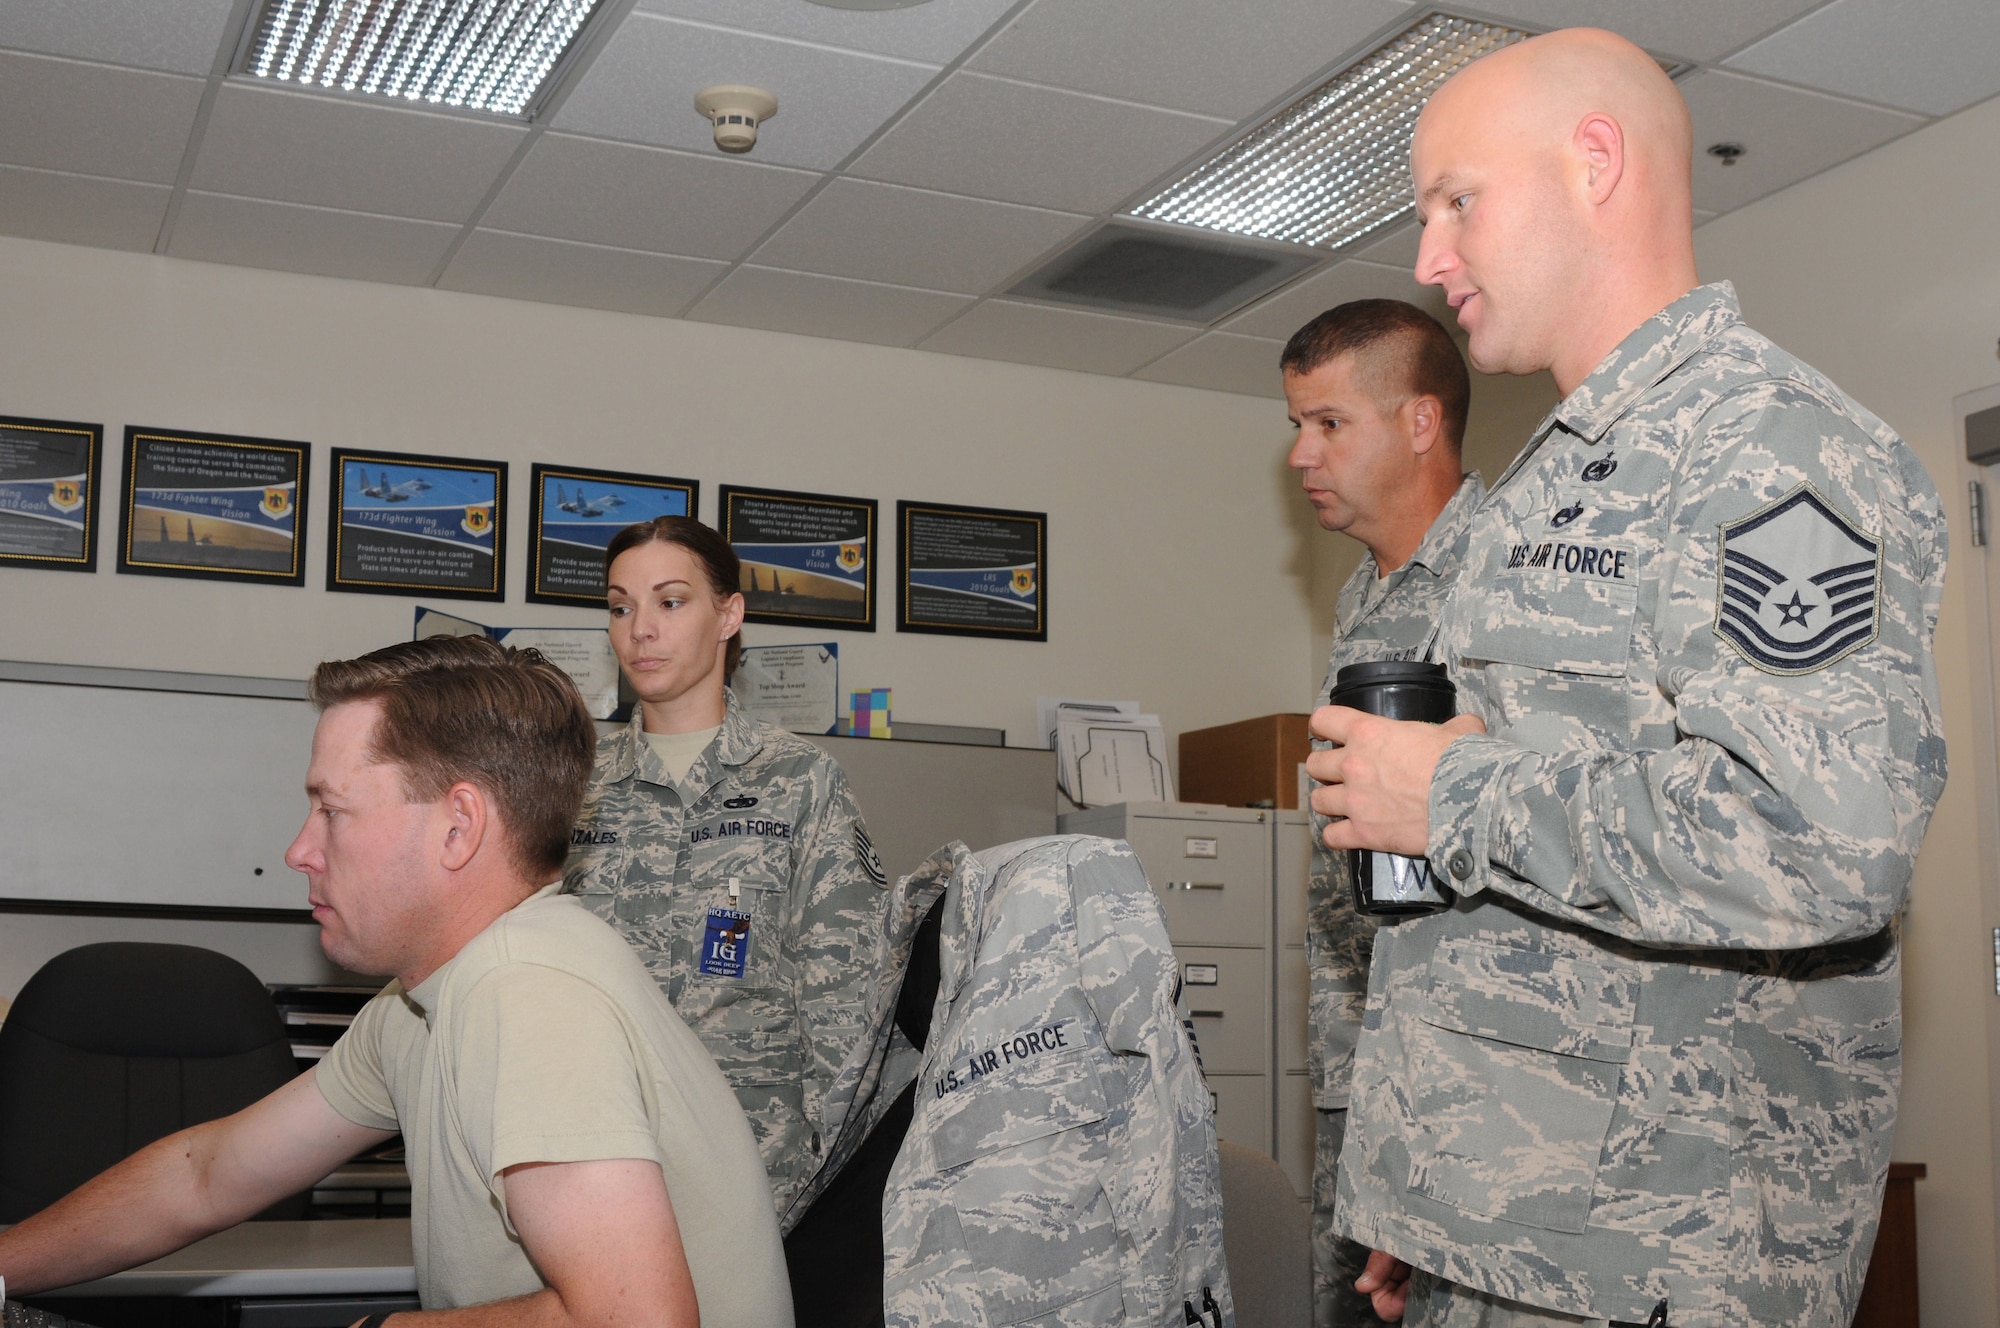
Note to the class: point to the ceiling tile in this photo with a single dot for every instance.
(1937, 57)
(1059, 338)
(911, 237)
(1786, 135)
(641, 89)
(1397, 249)
(67, 116)
(991, 138)
(180, 36)
(1222, 362)
(1301, 302)
(253, 233)
(825, 307)
(937, 33)
(644, 198)
(526, 267)
(1686, 29)
(81, 209)
(332, 152)
(1193, 55)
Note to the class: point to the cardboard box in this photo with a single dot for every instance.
(1253, 760)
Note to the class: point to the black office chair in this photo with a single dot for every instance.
(112, 1046)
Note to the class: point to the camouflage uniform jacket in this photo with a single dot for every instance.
(750, 890)
(1654, 1050)
(1061, 1165)
(1377, 617)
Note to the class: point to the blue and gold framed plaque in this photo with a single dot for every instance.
(48, 493)
(576, 512)
(417, 525)
(808, 558)
(214, 506)
(972, 571)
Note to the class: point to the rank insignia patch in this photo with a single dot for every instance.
(871, 861)
(1798, 585)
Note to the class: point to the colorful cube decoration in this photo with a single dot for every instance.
(871, 713)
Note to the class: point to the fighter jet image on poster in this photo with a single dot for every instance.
(576, 513)
(407, 525)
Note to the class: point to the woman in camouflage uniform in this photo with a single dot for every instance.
(730, 854)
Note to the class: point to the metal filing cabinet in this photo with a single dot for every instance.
(1291, 858)
(1211, 867)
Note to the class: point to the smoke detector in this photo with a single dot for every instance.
(735, 111)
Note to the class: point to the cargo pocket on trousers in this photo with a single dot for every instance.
(1029, 1151)
(1515, 1072)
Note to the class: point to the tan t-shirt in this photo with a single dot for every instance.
(544, 1040)
(678, 750)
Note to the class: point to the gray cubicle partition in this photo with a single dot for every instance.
(918, 795)
(129, 789)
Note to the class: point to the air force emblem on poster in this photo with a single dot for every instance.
(1799, 585)
(850, 557)
(478, 520)
(1024, 581)
(66, 495)
(277, 504)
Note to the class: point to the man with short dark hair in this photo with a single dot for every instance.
(560, 1120)
(1379, 393)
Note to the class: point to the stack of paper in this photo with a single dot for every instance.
(1107, 751)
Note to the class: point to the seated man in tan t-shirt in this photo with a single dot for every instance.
(575, 1156)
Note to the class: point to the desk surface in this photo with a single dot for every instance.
(361, 1256)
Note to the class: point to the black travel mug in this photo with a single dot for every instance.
(1389, 885)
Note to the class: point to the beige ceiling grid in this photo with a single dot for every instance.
(922, 160)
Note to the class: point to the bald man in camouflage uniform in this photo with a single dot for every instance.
(1379, 394)
(752, 893)
(1645, 1070)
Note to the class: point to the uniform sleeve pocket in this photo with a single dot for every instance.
(1007, 1110)
(1515, 1072)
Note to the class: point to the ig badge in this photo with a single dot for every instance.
(1798, 585)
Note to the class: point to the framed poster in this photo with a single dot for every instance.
(48, 493)
(417, 525)
(972, 571)
(576, 512)
(808, 559)
(214, 506)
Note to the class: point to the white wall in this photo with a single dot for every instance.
(1885, 274)
(1177, 573)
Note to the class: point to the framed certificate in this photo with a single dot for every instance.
(417, 525)
(971, 571)
(214, 506)
(576, 512)
(48, 494)
(808, 559)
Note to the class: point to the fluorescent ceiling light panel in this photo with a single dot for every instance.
(487, 55)
(1335, 164)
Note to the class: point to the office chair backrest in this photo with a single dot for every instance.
(112, 1046)
(1267, 1239)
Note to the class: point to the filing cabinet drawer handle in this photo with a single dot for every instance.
(1195, 885)
(1204, 1014)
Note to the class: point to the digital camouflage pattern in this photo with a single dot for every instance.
(751, 892)
(1337, 1261)
(1376, 618)
(1654, 1050)
(1436, 1303)
(1061, 1166)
